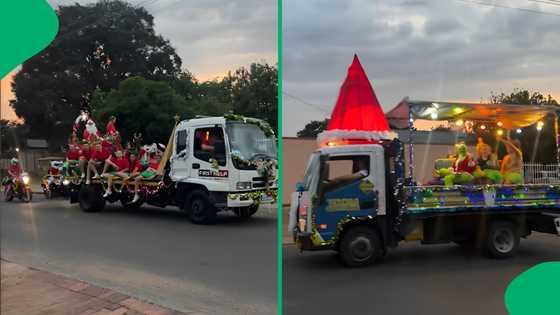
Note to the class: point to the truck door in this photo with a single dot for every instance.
(209, 153)
(349, 187)
(179, 166)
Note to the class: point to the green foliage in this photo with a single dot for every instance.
(523, 97)
(10, 135)
(253, 92)
(313, 128)
(98, 45)
(539, 147)
(141, 105)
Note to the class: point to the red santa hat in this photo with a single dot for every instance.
(357, 116)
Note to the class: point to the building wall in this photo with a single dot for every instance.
(295, 153)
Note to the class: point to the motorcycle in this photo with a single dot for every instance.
(20, 188)
(55, 185)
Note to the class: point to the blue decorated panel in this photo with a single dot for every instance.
(357, 199)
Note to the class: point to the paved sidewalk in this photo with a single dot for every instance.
(30, 291)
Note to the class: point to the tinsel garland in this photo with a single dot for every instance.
(256, 196)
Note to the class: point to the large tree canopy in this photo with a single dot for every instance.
(254, 92)
(98, 45)
(141, 105)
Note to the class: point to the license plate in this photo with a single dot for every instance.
(266, 198)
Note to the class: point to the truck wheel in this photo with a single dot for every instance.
(360, 246)
(502, 240)
(91, 198)
(199, 208)
(246, 212)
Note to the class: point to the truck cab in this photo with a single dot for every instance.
(341, 183)
(223, 163)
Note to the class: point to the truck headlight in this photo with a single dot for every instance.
(243, 185)
(25, 179)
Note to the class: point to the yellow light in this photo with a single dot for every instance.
(539, 128)
(459, 122)
(500, 124)
(457, 110)
(483, 127)
(500, 132)
(540, 124)
(331, 144)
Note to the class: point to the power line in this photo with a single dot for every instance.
(304, 102)
(548, 2)
(508, 7)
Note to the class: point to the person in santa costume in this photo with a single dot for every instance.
(90, 132)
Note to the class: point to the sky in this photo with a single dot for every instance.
(212, 37)
(458, 50)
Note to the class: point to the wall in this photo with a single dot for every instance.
(295, 153)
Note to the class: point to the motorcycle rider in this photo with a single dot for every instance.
(14, 172)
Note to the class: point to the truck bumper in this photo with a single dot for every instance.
(245, 199)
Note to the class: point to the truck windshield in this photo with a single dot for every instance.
(249, 143)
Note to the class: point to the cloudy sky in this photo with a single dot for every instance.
(436, 50)
(211, 36)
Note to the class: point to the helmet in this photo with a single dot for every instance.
(14, 161)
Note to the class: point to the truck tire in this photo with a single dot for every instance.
(502, 240)
(199, 208)
(246, 212)
(91, 198)
(360, 246)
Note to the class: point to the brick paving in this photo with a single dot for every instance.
(35, 292)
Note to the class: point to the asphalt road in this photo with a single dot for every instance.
(153, 254)
(412, 279)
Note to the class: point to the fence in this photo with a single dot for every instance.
(29, 161)
(541, 173)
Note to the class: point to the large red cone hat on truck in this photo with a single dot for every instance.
(357, 114)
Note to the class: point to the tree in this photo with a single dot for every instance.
(313, 128)
(141, 105)
(254, 92)
(537, 146)
(98, 45)
(524, 97)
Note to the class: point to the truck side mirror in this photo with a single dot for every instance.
(300, 187)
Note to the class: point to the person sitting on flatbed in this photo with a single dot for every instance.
(512, 164)
(149, 173)
(120, 165)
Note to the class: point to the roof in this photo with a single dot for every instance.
(37, 144)
(511, 115)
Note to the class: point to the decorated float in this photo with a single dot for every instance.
(360, 198)
(210, 164)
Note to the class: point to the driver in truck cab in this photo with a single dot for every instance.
(360, 170)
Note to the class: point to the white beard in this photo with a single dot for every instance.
(91, 129)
